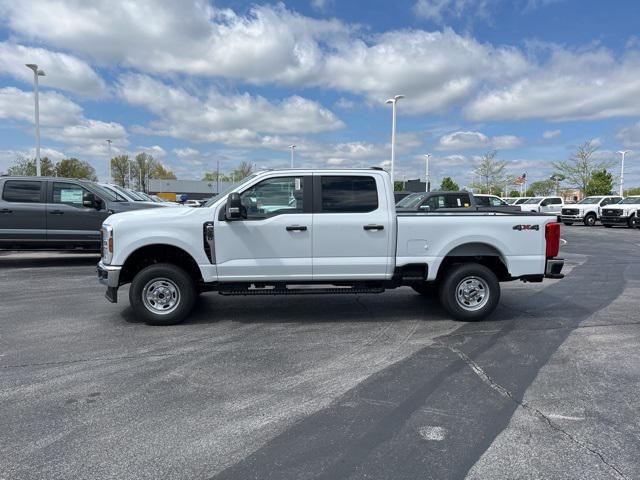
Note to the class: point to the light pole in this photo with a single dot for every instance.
(623, 153)
(393, 102)
(427, 180)
(36, 73)
(292, 147)
(109, 163)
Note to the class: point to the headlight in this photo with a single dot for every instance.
(107, 244)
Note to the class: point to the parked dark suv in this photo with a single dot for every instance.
(55, 213)
(431, 201)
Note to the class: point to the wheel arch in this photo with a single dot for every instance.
(158, 253)
(476, 252)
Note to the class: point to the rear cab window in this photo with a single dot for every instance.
(348, 194)
(22, 191)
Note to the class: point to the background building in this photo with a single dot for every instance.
(194, 189)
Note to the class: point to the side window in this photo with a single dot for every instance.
(69, 194)
(356, 194)
(496, 202)
(458, 201)
(556, 201)
(274, 196)
(546, 202)
(482, 201)
(24, 191)
(435, 202)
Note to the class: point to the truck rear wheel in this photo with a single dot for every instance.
(469, 292)
(162, 294)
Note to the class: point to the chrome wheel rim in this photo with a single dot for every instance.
(161, 296)
(591, 221)
(472, 293)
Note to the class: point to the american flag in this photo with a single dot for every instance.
(521, 179)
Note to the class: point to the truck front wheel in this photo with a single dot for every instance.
(469, 292)
(590, 220)
(162, 294)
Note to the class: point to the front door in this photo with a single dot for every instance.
(351, 227)
(68, 220)
(22, 212)
(273, 242)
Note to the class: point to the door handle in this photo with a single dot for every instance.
(6, 210)
(296, 228)
(374, 227)
(56, 212)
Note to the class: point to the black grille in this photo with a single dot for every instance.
(570, 211)
(611, 213)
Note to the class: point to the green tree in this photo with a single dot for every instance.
(601, 183)
(23, 166)
(632, 191)
(141, 169)
(120, 167)
(490, 173)
(74, 168)
(398, 186)
(213, 177)
(581, 166)
(160, 172)
(541, 188)
(448, 185)
(514, 193)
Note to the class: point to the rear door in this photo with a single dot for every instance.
(351, 227)
(68, 219)
(22, 212)
(551, 205)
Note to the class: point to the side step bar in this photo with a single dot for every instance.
(297, 290)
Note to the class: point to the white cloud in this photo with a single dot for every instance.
(155, 151)
(551, 134)
(233, 119)
(437, 10)
(60, 118)
(320, 5)
(584, 85)
(464, 140)
(630, 136)
(62, 71)
(186, 152)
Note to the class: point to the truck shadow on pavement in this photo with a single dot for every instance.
(71, 260)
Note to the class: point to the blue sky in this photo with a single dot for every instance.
(194, 83)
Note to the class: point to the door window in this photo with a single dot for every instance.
(69, 194)
(435, 202)
(555, 201)
(458, 201)
(274, 196)
(356, 194)
(23, 191)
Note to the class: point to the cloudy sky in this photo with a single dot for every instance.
(195, 82)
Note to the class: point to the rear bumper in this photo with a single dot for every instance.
(554, 267)
(110, 276)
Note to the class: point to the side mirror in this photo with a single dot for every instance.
(89, 200)
(234, 207)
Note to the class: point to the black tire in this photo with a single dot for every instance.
(590, 220)
(634, 222)
(426, 289)
(162, 285)
(568, 224)
(451, 290)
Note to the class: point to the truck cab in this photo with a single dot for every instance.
(624, 213)
(543, 205)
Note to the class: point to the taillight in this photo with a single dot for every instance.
(552, 236)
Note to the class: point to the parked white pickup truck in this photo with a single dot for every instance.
(320, 231)
(626, 212)
(588, 210)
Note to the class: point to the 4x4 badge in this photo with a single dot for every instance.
(526, 227)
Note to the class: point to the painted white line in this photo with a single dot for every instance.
(432, 433)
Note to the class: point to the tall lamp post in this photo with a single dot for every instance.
(292, 147)
(427, 179)
(36, 73)
(623, 153)
(109, 179)
(393, 101)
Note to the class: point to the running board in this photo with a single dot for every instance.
(298, 290)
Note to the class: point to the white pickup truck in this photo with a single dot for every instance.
(320, 231)
(626, 212)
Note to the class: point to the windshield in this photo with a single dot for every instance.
(520, 201)
(590, 200)
(228, 189)
(145, 196)
(105, 192)
(119, 196)
(630, 200)
(134, 195)
(534, 200)
(411, 201)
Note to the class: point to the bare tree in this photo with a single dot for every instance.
(120, 168)
(579, 169)
(244, 170)
(141, 169)
(490, 173)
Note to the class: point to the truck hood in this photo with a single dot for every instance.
(154, 215)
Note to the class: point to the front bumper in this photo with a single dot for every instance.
(554, 267)
(571, 218)
(109, 275)
(617, 220)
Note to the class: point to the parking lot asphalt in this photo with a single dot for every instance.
(331, 387)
